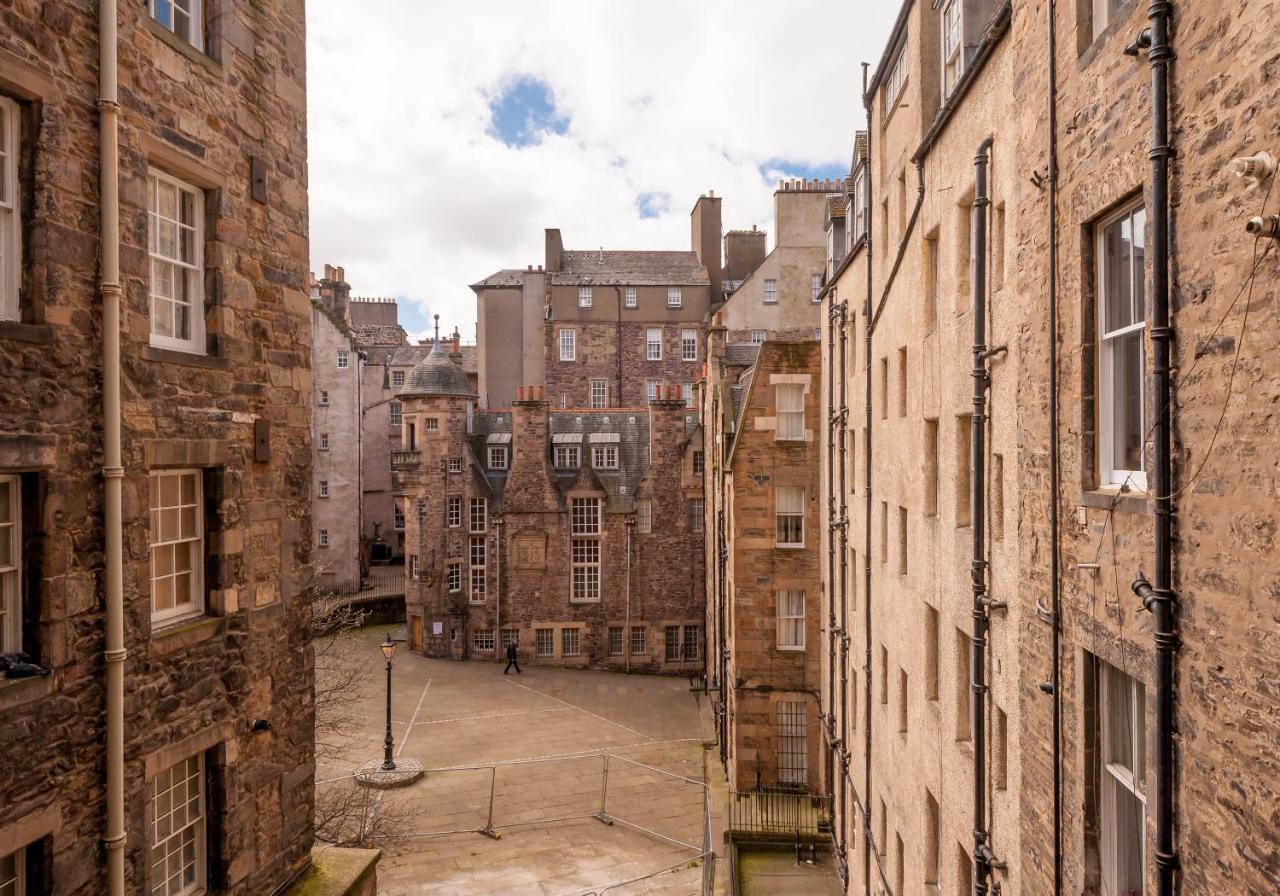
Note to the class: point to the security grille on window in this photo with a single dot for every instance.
(344, 360)
(453, 577)
(599, 393)
(497, 457)
(584, 296)
(692, 648)
(604, 457)
(322, 538)
(482, 640)
(324, 441)
(479, 556)
(615, 640)
(175, 234)
(790, 620)
(815, 287)
(672, 643)
(178, 829)
(570, 643)
(397, 378)
(952, 51)
(10, 223)
(545, 642)
(421, 505)
(674, 297)
(699, 462)
(688, 345)
(413, 566)
(896, 80)
(793, 748)
(770, 292)
(1121, 254)
(586, 569)
(568, 457)
(758, 337)
(568, 345)
(397, 517)
(638, 647)
(454, 511)
(653, 344)
(324, 398)
(455, 465)
(177, 546)
(182, 17)
(789, 508)
(324, 488)
(1123, 801)
(397, 413)
(695, 514)
(790, 407)
(644, 515)
(630, 297)
(478, 520)
(10, 564)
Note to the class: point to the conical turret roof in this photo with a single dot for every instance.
(437, 374)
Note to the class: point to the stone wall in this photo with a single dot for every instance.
(597, 357)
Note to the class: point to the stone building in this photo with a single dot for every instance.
(576, 534)
(154, 449)
(778, 295)
(761, 405)
(967, 748)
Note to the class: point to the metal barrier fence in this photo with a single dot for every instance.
(381, 582)
(774, 813)
(492, 798)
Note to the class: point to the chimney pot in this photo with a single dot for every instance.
(519, 393)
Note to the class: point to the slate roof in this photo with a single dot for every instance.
(438, 374)
(409, 355)
(835, 206)
(741, 354)
(641, 268)
(507, 278)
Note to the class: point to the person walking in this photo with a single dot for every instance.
(512, 660)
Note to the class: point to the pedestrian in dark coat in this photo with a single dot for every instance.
(511, 660)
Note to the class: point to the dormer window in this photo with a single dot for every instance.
(584, 296)
(604, 457)
(497, 457)
(567, 457)
(397, 378)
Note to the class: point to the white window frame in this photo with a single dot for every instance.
(396, 409)
(637, 640)
(770, 291)
(696, 510)
(699, 461)
(1102, 10)
(895, 81)
(413, 566)
(191, 270)
(789, 406)
(688, 345)
(322, 538)
(585, 570)
(482, 640)
(629, 297)
(171, 831)
(324, 488)
(162, 517)
(790, 609)
(568, 344)
(675, 297)
(455, 465)
(585, 516)
(1121, 701)
(616, 644)
(653, 344)
(815, 287)
(644, 515)
(343, 359)
(544, 642)
(568, 457)
(758, 337)
(789, 513)
(195, 19)
(397, 516)
(453, 511)
(478, 559)
(570, 642)
(686, 394)
(793, 733)
(859, 203)
(584, 296)
(324, 441)
(604, 457)
(478, 516)
(11, 572)
(952, 19)
(16, 881)
(453, 577)
(431, 424)
(599, 394)
(497, 457)
(10, 210)
(691, 647)
(1110, 474)
(397, 378)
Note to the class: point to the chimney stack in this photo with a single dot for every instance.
(705, 241)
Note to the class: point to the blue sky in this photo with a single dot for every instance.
(445, 137)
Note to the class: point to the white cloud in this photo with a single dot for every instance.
(412, 195)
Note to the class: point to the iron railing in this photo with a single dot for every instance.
(775, 813)
(380, 582)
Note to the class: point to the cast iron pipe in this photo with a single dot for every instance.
(866, 547)
(837, 793)
(843, 527)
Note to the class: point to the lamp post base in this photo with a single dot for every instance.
(372, 774)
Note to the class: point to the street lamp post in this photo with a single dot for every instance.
(388, 650)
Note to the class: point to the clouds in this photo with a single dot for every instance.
(444, 137)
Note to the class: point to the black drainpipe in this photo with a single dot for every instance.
(837, 792)
(868, 247)
(621, 402)
(977, 505)
(843, 527)
(1055, 558)
(1161, 599)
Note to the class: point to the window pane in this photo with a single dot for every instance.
(1117, 274)
(1126, 397)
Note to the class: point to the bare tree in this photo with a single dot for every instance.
(350, 815)
(335, 625)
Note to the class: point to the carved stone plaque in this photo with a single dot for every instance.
(530, 549)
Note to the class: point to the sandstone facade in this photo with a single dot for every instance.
(212, 138)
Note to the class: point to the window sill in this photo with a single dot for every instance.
(189, 359)
(789, 547)
(184, 634)
(17, 691)
(195, 54)
(1112, 499)
(36, 334)
(791, 650)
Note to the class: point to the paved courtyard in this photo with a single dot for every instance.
(538, 741)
